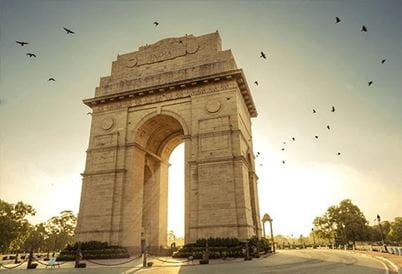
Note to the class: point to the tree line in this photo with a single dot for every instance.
(345, 224)
(17, 234)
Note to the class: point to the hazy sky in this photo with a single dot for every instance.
(312, 63)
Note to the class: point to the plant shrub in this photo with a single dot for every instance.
(223, 248)
(93, 250)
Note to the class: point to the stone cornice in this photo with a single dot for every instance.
(237, 74)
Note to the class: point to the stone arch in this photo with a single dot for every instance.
(156, 137)
(168, 85)
(173, 114)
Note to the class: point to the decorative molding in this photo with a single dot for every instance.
(191, 87)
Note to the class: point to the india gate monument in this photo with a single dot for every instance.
(177, 90)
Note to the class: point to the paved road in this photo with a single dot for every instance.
(292, 262)
(289, 261)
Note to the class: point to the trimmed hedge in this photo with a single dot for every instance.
(93, 250)
(223, 248)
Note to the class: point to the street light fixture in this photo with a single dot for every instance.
(267, 218)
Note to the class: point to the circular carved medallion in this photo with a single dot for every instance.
(213, 106)
(107, 123)
(132, 62)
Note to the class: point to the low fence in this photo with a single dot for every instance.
(396, 250)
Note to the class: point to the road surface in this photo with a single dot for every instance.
(306, 261)
(289, 261)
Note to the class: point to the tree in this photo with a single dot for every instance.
(13, 224)
(36, 237)
(345, 219)
(324, 228)
(171, 237)
(60, 230)
(395, 233)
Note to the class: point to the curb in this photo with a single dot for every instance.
(382, 259)
(394, 266)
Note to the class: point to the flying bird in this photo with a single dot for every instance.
(22, 43)
(256, 83)
(338, 153)
(89, 113)
(31, 55)
(333, 109)
(68, 31)
(370, 83)
(383, 61)
(337, 20)
(263, 55)
(284, 143)
(282, 149)
(293, 138)
(283, 162)
(364, 29)
(156, 23)
(51, 79)
(314, 111)
(328, 127)
(316, 137)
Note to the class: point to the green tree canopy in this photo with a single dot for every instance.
(14, 226)
(345, 219)
(60, 230)
(395, 233)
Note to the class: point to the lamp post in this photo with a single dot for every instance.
(312, 231)
(379, 224)
(267, 218)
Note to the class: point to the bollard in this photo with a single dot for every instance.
(31, 265)
(205, 257)
(247, 257)
(144, 258)
(78, 256)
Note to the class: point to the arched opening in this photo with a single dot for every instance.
(176, 197)
(155, 139)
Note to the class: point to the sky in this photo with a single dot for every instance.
(312, 63)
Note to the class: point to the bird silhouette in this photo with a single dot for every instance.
(256, 83)
(364, 29)
(370, 83)
(89, 113)
(156, 23)
(284, 143)
(383, 61)
(293, 138)
(51, 79)
(314, 111)
(316, 137)
(333, 109)
(283, 162)
(283, 149)
(263, 55)
(31, 55)
(68, 31)
(22, 43)
(337, 20)
(328, 127)
(338, 153)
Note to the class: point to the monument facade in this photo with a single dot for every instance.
(178, 90)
